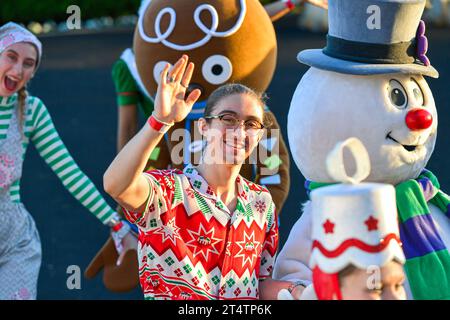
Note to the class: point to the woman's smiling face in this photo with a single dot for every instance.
(17, 65)
(228, 145)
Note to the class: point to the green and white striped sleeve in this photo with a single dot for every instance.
(50, 146)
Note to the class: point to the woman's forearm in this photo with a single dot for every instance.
(122, 176)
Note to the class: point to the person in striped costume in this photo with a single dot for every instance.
(25, 118)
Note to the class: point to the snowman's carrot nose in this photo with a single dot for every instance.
(419, 119)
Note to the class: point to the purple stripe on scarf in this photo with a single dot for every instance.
(429, 191)
(419, 236)
(307, 187)
(306, 184)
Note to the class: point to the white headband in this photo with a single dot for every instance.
(12, 33)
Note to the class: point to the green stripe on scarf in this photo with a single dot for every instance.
(433, 286)
(428, 275)
(410, 200)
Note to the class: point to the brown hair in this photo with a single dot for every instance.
(232, 89)
(22, 97)
(346, 271)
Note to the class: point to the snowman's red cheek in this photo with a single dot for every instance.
(418, 119)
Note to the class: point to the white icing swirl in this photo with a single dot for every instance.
(161, 37)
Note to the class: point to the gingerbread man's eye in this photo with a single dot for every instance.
(217, 69)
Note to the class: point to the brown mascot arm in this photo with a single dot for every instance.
(279, 191)
(115, 278)
(127, 124)
(121, 278)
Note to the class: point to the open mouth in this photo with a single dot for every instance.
(409, 148)
(10, 84)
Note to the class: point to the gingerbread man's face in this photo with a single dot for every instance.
(227, 40)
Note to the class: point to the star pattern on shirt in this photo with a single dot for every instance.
(203, 242)
(248, 249)
(169, 231)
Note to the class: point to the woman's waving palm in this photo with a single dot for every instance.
(171, 103)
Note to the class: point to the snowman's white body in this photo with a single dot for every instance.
(329, 107)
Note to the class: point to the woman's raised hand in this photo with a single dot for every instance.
(171, 103)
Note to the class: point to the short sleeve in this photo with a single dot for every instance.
(162, 187)
(126, 88)
(270, 246)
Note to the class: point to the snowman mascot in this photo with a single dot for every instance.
(368, 83)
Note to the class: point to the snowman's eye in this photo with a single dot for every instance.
(397, 94)
(217, 69)
(417, 91)
(157, 69)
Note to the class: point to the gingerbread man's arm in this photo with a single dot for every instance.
(274, 166)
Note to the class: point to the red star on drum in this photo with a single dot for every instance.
(371, 223)
(328, 226)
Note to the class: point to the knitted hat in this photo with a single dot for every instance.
(11, 33)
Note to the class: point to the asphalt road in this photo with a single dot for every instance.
(75, 83)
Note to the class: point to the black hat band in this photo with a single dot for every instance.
(373, 53)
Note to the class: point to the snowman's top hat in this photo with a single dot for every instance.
(368, 37)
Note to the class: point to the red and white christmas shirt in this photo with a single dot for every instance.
(192, 247)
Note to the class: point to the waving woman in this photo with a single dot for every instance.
(204, 232)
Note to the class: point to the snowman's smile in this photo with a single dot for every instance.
(409, 148)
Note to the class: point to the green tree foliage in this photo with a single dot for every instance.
(25, 11)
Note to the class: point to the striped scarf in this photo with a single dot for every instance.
(427, 258)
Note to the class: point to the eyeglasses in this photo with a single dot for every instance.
(251, 126)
